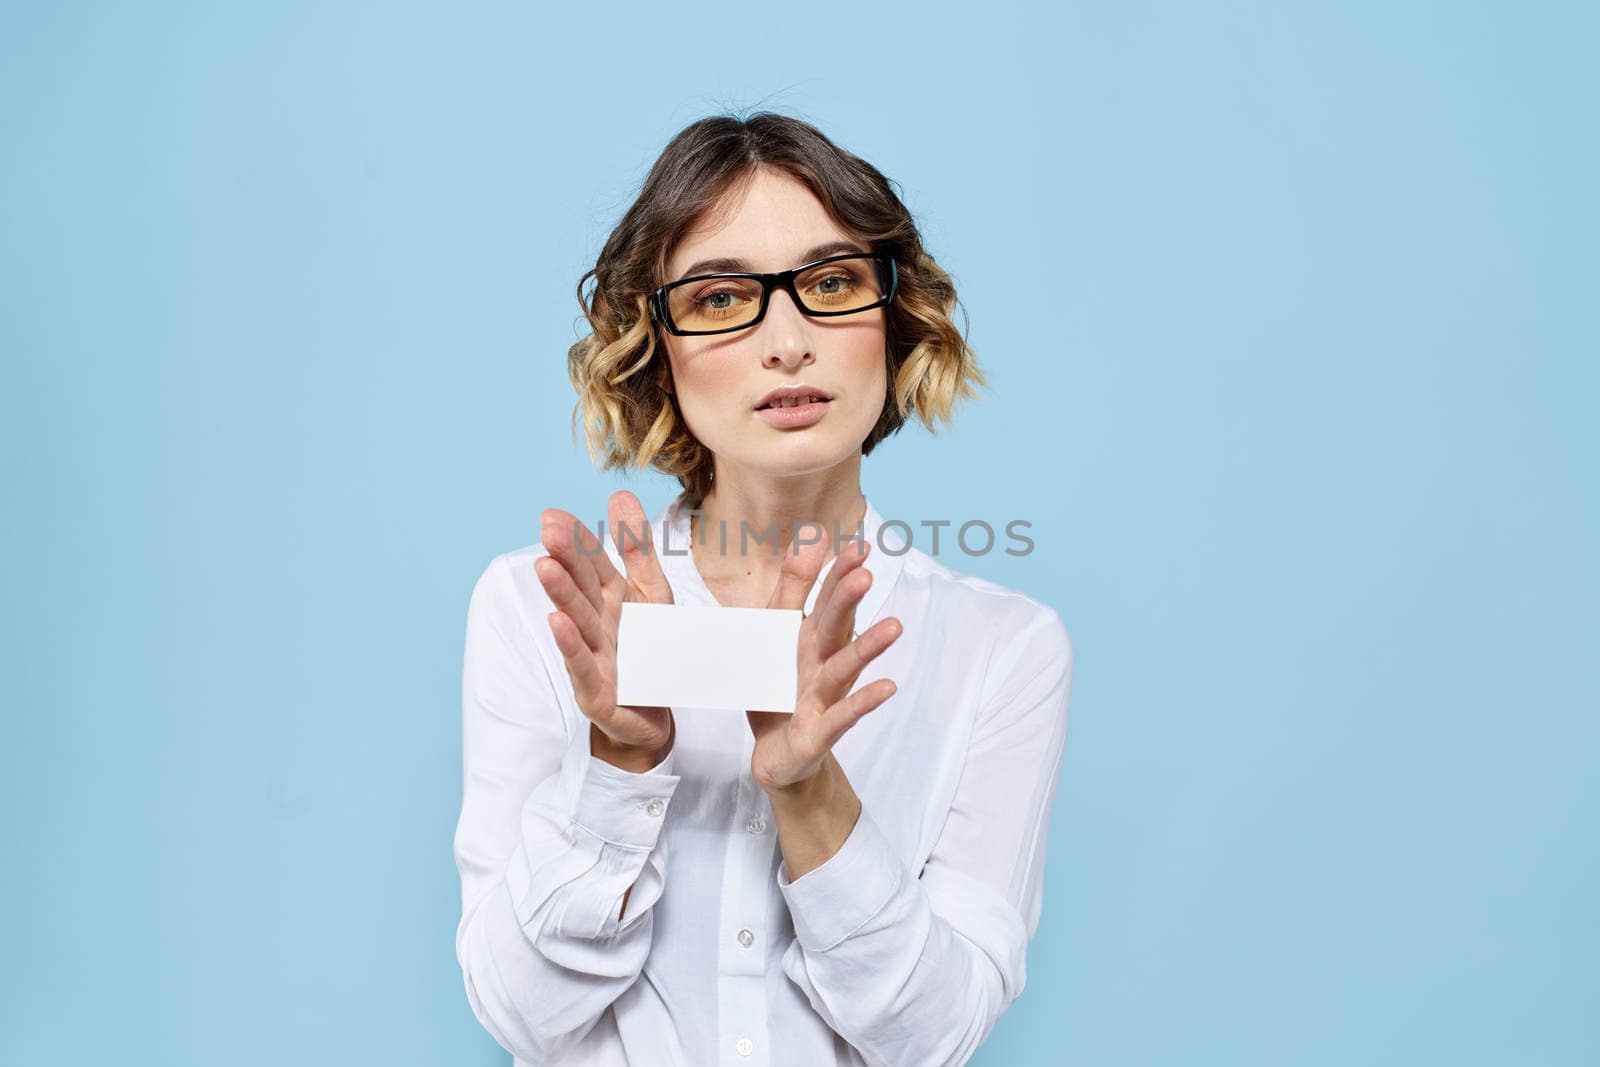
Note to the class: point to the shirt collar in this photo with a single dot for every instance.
(671, 527)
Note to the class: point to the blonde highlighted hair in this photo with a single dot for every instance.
(620, 370)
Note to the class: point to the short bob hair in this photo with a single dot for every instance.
(625, 392)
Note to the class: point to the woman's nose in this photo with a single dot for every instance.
(785, 330)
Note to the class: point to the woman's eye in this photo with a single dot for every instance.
(833, 286)
(718, 300)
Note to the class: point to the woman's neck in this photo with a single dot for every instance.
(746, 525)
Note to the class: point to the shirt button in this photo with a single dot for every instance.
(655, 807)
(757, 825)
(744, 1046)
(746, 938)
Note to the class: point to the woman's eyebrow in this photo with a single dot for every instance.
(810, 255)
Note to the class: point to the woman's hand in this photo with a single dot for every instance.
(791, 748)
(589, 593)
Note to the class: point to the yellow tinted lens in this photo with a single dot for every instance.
(715, 304)
(843, 285)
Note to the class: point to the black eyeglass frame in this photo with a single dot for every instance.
(888, 280)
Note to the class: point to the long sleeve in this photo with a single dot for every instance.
(547, 843)
(918, 970)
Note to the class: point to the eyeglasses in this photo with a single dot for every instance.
(721, 303)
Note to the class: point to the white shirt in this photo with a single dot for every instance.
(903, 948)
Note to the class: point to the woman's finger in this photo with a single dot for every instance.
(798, 575)
(840, 671)
(569, 599)
(844, 714)
(834, 619)
(604, 569)
(589, 687)
(852, 555)
(635, 540)
(559, 532)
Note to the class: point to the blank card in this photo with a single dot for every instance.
(693, 656)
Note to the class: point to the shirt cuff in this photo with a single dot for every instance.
(624, 807)
(833, 901)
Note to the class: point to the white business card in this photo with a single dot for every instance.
(696, 656)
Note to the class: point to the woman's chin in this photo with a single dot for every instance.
(796, 463)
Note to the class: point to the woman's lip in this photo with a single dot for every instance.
(798, 394)
(797, 416)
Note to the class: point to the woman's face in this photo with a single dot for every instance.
(721, 379)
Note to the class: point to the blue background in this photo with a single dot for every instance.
(1292, 325)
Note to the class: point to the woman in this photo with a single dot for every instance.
(852, 883)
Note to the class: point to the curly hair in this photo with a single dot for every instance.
(625, 395)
